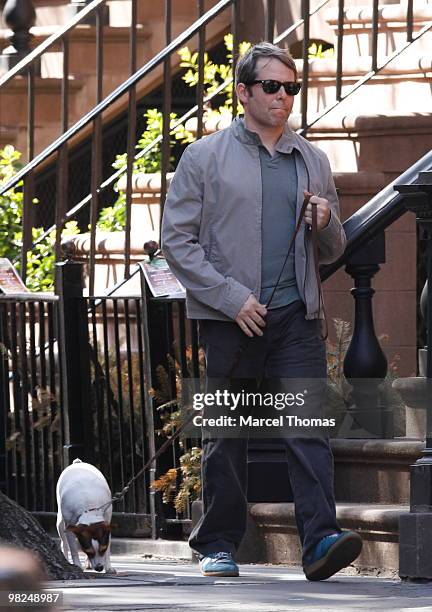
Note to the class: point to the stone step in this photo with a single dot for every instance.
(151, 39)
(56, 12)
(357, 29)
(374, 471)
(372, 492)
(404, 85)
(82, 51)
(271, 535)
(13, 109)
(59, 12)
(8, 135)
(387, 142)
(51, 12)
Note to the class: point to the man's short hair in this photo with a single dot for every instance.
(246, 66)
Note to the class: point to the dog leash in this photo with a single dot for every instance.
(314, 231)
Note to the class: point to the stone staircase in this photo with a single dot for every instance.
(372, 492)
(82, 65)
(370, 137)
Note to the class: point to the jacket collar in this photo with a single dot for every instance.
(285, 144)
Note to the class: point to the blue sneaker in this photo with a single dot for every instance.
(219, 564)
(333, 553)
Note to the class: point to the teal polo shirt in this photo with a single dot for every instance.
(279, 199)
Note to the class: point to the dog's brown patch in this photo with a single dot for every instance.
(86, 533)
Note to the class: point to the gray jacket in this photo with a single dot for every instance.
(211, 228)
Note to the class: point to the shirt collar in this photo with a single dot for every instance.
(286, 142)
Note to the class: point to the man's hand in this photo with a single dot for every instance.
(250, 318)
(323, 210)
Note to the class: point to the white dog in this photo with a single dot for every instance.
(81, 488)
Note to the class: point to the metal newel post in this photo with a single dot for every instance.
(365, 365)
(20, 16)
(415, 527)
(75, 363)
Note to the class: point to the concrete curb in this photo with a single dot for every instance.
(158, 549)
(164, 549)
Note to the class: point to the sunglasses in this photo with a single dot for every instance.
(270, 86)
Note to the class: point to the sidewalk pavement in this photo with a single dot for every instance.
(177, 586)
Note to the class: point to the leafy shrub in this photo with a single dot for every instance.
(40, 260)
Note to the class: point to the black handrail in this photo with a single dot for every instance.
(367, 77)
(128, 87)
(377, 214)
(32, 57)
(158, 59)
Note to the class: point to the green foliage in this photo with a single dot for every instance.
(40, 261)
(315, 51)
(10, 204)
(214, 74)
(113, 218)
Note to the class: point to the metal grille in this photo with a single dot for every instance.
(118, 406)
(30, 381)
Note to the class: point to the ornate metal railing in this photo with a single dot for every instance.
(60, 148)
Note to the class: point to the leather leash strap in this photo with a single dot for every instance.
(314, 237)
(314, 231)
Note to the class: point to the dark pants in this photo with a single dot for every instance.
(290, 348)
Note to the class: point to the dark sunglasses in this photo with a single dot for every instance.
(270, 86)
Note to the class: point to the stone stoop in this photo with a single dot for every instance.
(272, 537)
(82, 66)
(374, 471)
(375, 141)
(372, 493)
(392, 17)
(271, 534)
(13, 111)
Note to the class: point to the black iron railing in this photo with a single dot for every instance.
(82, 377)
(94, 117)
(32, 427)
(61, 146)
(377, 215)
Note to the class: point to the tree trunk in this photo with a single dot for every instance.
(19, 528)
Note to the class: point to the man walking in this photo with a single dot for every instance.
(229, 218)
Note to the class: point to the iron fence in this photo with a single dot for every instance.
(32, 428)
(89, 378)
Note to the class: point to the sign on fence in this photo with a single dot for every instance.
(161, 280)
